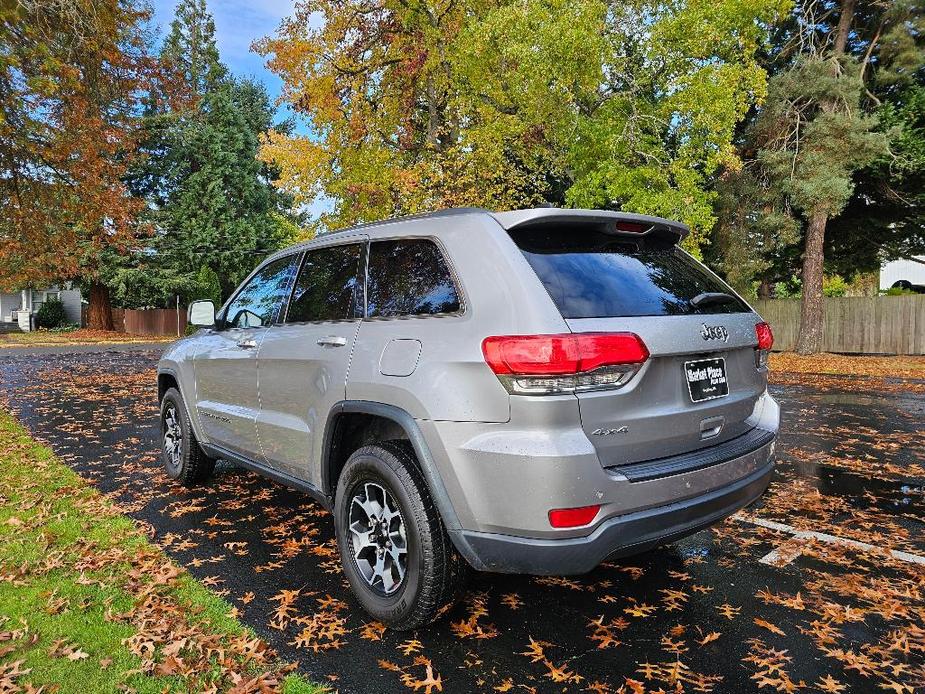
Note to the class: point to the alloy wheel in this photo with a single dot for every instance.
(380, 548)
(173, 437)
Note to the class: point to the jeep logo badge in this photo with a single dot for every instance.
(714, 332)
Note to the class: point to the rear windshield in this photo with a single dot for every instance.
(592, 274)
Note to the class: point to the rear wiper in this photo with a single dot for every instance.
(706, 298)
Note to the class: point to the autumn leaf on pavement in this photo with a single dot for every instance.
(410, 647)
(429, 683)
(830, 685)
(536, 650)
(770, 627)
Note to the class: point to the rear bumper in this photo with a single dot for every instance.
(617, 536)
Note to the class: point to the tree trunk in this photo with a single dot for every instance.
(764, 289)
(99, 312)
(812, 309)
(846, 17)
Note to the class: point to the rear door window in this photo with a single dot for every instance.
(327, 286)
(592, 274)
(408, 277)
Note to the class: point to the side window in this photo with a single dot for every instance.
(326, 286)
(408, 277)
(258, 303)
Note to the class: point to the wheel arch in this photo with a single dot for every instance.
(168, 378)
(332, 458)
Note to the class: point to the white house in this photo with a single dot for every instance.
(907, 270)
(19, 308)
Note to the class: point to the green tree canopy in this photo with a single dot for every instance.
(627, 105)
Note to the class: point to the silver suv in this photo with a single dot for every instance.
(530, 392)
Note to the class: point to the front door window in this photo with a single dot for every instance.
(259, 301)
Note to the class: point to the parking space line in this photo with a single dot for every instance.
(779, 557)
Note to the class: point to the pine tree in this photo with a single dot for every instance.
(211, 200)
(189, 53)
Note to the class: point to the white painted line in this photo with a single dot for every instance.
(783, 556)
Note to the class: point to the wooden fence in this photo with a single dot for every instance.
(149, 321)
(854, 325)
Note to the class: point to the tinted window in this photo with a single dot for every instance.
(590, 274)
(408, 278)
(326, 285)
(258, 303)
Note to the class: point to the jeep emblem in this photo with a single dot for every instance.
(714, 332)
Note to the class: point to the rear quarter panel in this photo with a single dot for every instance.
(500, 294)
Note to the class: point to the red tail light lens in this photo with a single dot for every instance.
(570, 353)
(765, 336)
(564, 363)
(572, 517)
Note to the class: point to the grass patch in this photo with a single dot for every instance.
(47, 338)
(88, 604)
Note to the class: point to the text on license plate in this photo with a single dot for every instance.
(706, 379)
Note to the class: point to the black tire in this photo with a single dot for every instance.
(192, 466)
(435, 574)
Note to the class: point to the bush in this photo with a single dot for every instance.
(898, 291)
(51, 314)
(834, 285)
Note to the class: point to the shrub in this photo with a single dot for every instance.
(898, 291)
(51, 314)
(834, 285)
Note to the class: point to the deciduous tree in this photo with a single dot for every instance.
(414, 106)
(72, 74)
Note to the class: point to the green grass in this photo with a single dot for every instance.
(74, 577)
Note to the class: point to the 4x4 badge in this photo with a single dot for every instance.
(609, 432)
(714, 332)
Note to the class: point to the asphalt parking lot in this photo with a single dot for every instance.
(819, 587)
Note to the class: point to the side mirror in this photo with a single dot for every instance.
(201, 314)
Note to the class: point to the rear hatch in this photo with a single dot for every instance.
(700, 384)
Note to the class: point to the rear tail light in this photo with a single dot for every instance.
(572, 517)
(765, 336)
(765, 342)
(564, 363)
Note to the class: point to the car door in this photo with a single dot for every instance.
(304, 359)
(225, 365)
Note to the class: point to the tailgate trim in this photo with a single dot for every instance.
(695, 460)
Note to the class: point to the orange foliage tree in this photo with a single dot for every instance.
(72, 76)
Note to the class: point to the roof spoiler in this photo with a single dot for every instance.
(613, 222)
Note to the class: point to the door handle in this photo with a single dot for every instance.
(247, 344)
(332, 341)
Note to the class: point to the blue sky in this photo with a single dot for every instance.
(237, 24)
